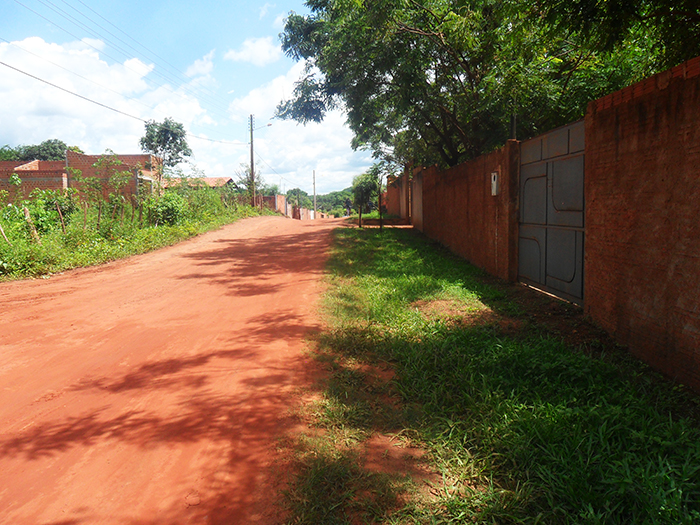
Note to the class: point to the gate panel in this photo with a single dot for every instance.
(533, 194)
(531, 253)
(551, 239)
(566, 200)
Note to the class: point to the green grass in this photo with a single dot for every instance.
(522, 428)
(374, 214)
(86, 245)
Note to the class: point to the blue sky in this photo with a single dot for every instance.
(206, 64)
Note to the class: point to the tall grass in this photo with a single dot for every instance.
(85, 235)
(523, 428)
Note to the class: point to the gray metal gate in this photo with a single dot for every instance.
(552, 212)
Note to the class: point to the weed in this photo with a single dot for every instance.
(523, 428)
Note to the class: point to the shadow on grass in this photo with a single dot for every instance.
(527, 428)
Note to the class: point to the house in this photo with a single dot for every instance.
(211, 182)
(59, 175)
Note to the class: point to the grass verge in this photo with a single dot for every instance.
(424, 349)
(82, 246)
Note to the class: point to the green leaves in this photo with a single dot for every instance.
(166, 140)
(438, 81)
(526, 429)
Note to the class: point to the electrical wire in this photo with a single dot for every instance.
(98, 36)
(257, 155)
(78, 74)
(71, 92)
(235, 143)
(71, 19)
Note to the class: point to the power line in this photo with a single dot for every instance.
(156, 72)
(61, 12)
(274, 170)
(235, 143)
(174, 76)
(77, 74)
(126, 35)
(232, 142)
(71, 92)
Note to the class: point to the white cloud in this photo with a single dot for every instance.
(279, 22)
(201, 67)
(257, 51)
(34, 110)
(264, 99)
(289, 152)
(264, 10)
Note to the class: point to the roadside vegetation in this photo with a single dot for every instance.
(526, 413)
(51, 231)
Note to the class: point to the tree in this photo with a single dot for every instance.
(52, 149)
(334, 202)
(8, 153)
(268, 189)
(244, 184)
(166, 140)
(364, 190)
(441, 81)
(111, 169)
(671, 28)
(299, 198)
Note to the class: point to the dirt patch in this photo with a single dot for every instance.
(560, 318)
(391, 454)
(156, 389)
(455, 313)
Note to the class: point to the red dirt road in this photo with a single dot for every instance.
(153, 390)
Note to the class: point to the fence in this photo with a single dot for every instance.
(641, 231)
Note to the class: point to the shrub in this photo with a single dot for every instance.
(169, 209)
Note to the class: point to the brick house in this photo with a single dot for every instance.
(56, 175)
(211, 182)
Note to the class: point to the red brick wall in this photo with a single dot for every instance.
(417, 198)
(393, 196)
(642, 190)
(85, 164)
(31, 180)
(459, 211)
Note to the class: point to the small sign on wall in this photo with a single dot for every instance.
(494, 183)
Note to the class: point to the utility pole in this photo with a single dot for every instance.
(252, 158)
(314, 194)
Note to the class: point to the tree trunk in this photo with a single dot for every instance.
(32, 228)
(4, 236)
(60, 216)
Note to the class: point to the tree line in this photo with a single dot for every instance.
(442, 81)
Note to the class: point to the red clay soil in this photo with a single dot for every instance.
(153, 390)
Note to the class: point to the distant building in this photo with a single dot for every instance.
(57, 175)
(212, 182)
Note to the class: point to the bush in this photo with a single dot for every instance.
(121, 231)
(168, 209)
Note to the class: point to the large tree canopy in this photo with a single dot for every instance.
(52, 149)
(167, 140)
(440, 81)
(670, 28)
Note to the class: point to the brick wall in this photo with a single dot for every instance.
(31, 180)
(459, 211)
(146, 164)
(417, 198)
(34, 175)
(393, 196)
(642, 193)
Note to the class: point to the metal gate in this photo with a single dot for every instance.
(552, 212)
